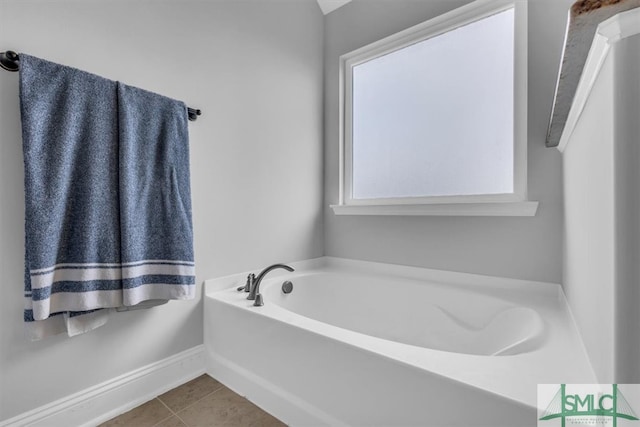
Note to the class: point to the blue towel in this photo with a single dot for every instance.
(108, 214)
(155, 198)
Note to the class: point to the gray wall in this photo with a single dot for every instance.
(255, 69)
(526, 248)
(625, 314)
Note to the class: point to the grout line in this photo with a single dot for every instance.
(190, 405)
(163, 420)
(203, 397)
(174, 413)
(165, 405)
(184, 423)
(171, 413)
(181, 420)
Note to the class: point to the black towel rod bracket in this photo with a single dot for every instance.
(10, 61)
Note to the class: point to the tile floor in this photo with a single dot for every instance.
(202, 402)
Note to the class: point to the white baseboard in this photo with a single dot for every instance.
(102, 402)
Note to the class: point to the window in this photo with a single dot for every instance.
(434, 117)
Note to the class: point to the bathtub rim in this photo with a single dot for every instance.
(459, 279)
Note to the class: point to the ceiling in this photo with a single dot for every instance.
(330, 5)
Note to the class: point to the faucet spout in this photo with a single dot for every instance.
(255, 289)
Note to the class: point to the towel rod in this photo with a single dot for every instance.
(10, 61)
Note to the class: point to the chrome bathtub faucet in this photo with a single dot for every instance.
(251, 278)
(254, 292)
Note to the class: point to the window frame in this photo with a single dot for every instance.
(515, 203)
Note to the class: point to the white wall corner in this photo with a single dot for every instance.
(328, 6)
(113, 397)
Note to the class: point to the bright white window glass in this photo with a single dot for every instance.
(436, 118)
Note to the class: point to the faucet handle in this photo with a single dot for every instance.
(251, 278)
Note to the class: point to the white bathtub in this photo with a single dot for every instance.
(367, 344)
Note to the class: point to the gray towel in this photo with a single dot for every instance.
(108, 215)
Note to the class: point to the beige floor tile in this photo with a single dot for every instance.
(171, 422)
(189, 393)
(146, 415)
(226, 408)
(259, 418)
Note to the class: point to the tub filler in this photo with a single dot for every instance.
(368, 344)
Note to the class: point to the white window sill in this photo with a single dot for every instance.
(526, 208)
